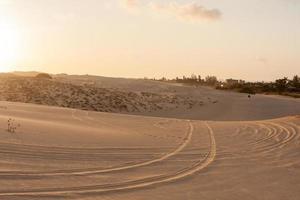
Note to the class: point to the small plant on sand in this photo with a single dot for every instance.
(12, 126)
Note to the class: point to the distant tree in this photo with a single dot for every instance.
(163, 79)
(281, 84)
(211, 80)
(199, 79)
(242, 81)
(295, 82)
(43, 75)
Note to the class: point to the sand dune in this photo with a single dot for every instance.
(61, 153)
(144, 97)
(90, 97)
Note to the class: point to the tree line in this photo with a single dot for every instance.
(283, 86)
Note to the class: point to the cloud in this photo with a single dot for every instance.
(189, 11)
(186, 12)
(130, 3)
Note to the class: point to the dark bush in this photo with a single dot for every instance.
(43, 75)
(248, 90)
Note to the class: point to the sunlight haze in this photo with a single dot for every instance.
(252, 40)
(149, 99)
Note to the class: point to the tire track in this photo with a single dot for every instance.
(271, 133)
(129, 185)
(286, 137)
(277, 137)
(114, 169)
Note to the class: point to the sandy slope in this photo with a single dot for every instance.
(60, 153)
(90, 97)
(216, 104)
(144, 97)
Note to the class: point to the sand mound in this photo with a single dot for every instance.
(144, 97)
(88, 97)
(59, 153)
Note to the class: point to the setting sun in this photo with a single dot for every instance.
(9, 46)
(5, 69)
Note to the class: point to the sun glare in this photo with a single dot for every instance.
(9, 46)
(5, 69)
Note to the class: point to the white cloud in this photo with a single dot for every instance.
(189, 11)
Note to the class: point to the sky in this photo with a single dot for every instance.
(245, 39)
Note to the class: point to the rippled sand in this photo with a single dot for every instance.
(60, 153)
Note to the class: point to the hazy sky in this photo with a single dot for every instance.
(249, 39)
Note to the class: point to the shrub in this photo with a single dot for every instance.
(248, 90)
(43, 75)
(12, 126)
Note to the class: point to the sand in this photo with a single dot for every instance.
(227, 147)
(62, 153)
(144, 97)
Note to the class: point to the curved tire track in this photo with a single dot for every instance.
(141, 183)
(114, 169)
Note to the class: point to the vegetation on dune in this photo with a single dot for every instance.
(43, 75)
(284, 86)
(88, 97)
(12, 126)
